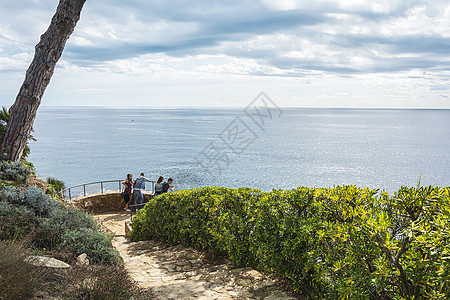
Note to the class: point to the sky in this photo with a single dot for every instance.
(322, 53)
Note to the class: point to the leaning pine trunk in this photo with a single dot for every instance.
(47, 53)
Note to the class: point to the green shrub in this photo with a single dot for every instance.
(55, 187)
(61, 219)
(33, 198)
(51, 225)
(241, 223)
(383, 247)
(67, 217)
(95, 244)
(4, 183)
(169, 227)
(283, 234)
(16, 222)
(18, 278)
(15, 171)
(194, 220)
(340, 242)
(28, 164)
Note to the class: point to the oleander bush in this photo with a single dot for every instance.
(49, 224)
(16, 171)
(343, 242)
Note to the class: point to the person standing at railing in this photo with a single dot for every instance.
(128, 183)
(138, 186)
(167, 186)
(158, 185)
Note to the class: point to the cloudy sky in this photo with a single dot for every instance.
(335, 53)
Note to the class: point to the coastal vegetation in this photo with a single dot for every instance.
(55, 187)
(33, 223)
(15, 171)
(343, 242)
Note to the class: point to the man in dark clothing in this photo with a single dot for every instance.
(166, 186)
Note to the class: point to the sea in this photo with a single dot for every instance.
(276, 148)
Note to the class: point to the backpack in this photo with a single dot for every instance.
(140, 184)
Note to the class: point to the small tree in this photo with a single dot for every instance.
(47, 53)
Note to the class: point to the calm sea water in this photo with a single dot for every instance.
(209, 147)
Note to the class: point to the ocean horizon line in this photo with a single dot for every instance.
(148, 107)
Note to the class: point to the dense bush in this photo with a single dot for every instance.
(384, 247)
(16, 222)
(60, 220)
(49, 224)
(340, 242)
(55, 187)
(32, 198)
(95, 244)
(15, 171)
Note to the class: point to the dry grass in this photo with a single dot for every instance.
(18, 278)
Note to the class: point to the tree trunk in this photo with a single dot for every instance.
(47, 53)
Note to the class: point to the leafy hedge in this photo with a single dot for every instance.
(341, 242)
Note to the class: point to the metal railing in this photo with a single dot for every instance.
(99, 187)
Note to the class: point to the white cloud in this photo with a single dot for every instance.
(344, 50)
(284, 4)
(15, 63)
(418, 21)
(379, 6)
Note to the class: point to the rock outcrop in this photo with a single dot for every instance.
(107, 201)
(37, 182)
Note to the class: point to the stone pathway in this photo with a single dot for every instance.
(176, 272)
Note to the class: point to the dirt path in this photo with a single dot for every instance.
(176, 272)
